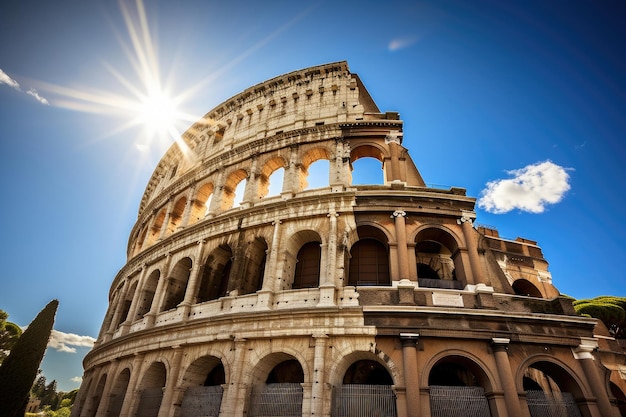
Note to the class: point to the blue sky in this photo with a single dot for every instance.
(523, 98)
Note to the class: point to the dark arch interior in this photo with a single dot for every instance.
(287, 371)
(452, 375)
(526, 288)
(367, 372)
(217, 376)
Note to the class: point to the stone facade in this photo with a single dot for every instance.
(298, 302)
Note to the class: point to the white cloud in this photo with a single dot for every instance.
(400, 43)
(531, 189)
(34, 93)
(63, 342)
(78, 379)
(5, 79)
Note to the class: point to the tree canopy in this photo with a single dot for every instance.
(611, 310)
(19, 369)
(9, 333)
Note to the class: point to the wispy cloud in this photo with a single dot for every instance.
(401, 43)
(5, 79)
(530, 190)
(78, 379)
(67, 342)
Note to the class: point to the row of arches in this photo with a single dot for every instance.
(275, 175)
(241, 267)
(457, 384)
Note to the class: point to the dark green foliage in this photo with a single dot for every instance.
(9, 333)
(610, 310)
(19, 369)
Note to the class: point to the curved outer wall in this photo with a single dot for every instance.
(236, 289)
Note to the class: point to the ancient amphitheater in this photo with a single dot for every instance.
(248, 292)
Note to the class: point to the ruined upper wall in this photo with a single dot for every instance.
(314, 96)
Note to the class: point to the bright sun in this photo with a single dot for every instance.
(157, 112)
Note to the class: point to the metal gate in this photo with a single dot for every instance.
(356, 400)
(448, 401)
(150, 402)
(202, 401)
(546, 404)
(276, 400)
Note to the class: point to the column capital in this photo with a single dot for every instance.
(409, 339)
(467, 217)
(394, 136)
(585, 349)
(500, 343)
(398, 213)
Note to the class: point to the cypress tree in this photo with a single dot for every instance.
(19, 369)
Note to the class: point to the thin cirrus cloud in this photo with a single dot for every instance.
(401, 43)
(67, 342)
(530, 189)
(5, 79)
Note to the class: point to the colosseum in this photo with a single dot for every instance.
(252, 290)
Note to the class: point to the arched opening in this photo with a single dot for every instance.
(255, 266)
(281, 394)
(315, 169)
(94, 401)
(157, 225)
(550, 391)
(233, 190)
(307, 274)
(151, 391)
(147, 293)
(118, 393)
(366, 391)
(367, 170)
(140, 240)
(201, 204)
(369, 258)
(216, 274)
(176, 216)
(457, 387)
(436, 257)
(526, 288)
(177, 284)
(204, 380)
(270, 181)
(128, 299)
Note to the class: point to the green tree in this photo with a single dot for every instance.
(611, 310)
(9, 333)
(19, 369)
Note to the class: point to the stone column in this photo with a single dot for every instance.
(119, 306)
(233, 404)
(340, 173)
(466, 221)
(329, 271)
(171, 385)
(190, 202)
(132, 313)
(251, 192)
(159, 293)
(598, 386)
(393, 139)
(291, 179)
(403, 255)
(194, 277)
(511, 398)
(166, 220)
(319, 363)
(108, 386)
(132, 393)
(216, 200)
(411, 377)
